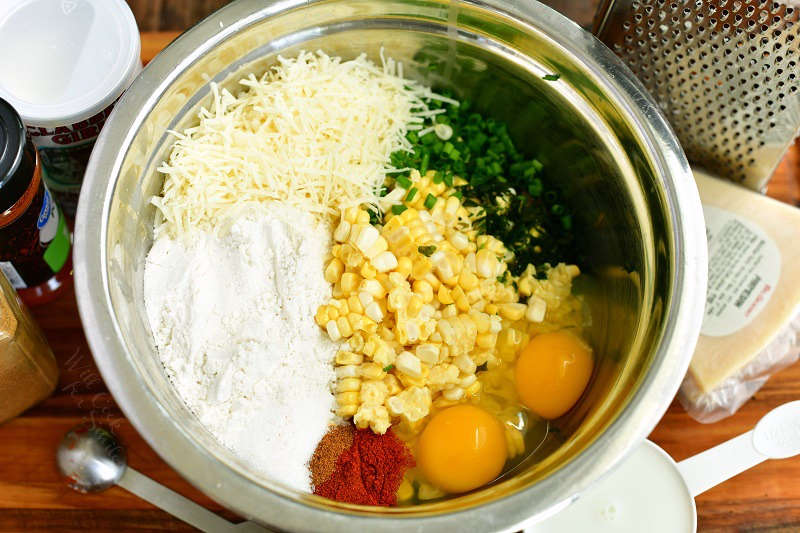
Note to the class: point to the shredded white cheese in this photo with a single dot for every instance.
(315, 132)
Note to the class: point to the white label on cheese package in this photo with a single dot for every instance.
(743, 269)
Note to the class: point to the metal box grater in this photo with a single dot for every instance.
(724, 72)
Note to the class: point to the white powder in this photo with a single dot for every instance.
(233, 320)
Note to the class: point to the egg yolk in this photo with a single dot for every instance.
(552, 371)
(462, 448)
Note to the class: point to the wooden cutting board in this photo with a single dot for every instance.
(34, 498)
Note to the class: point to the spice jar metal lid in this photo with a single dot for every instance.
(17, 158)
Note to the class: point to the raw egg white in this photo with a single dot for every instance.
(552, 372)
(462, 448)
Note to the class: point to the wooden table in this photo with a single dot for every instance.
(34, 498)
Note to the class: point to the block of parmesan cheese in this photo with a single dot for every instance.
(754, 278)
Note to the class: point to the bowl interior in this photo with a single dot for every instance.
(584, 132)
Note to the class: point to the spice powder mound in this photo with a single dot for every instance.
(370, 471)
(333, 444)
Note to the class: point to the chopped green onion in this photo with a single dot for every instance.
(430, 201)
(399, 208)
(423, 168)
(448, 179)
(427, 251)
(388, 368)
(551, 77)
(438, 177)
(411, 194)
(458, 195)
(404, 182)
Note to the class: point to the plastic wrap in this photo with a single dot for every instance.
(726, 398)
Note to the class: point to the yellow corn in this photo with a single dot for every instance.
(345, 357)
(345, 330)
(512, 311)
(444, 296)
(334, 270)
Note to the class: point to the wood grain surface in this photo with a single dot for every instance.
(34, 498)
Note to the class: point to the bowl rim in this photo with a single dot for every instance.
(233, 490)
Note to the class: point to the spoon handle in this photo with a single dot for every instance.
(715, 465)
(172, 502)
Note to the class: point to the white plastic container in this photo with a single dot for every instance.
(63, 65)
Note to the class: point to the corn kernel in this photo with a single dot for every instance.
(373, 287)
(473, 389)
(346, 371)
(408, 364)
(427, 353)
(485, 263)
(345, 330)
(354, 304)
(512, 311)
(405, 491)
(348, 385)
(444, 296)
(404, 266)
(342, 231)
(333, 330)
(467, 280)
(349, 282)
(536, 309)
(368, 271)
(347, 398)
(465, 364)
(378, 247)
(490, 309)
(373, 391)
(334, 270)
(453, 394)
(415, 303)
(486, 340)
(384, 261)
(424, 290)
(371, 371)
(392, 384)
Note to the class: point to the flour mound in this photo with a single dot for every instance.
(232, 314)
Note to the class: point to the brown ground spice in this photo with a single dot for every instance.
(333, 444)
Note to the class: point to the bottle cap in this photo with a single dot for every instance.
(70, 59)
(17, 158)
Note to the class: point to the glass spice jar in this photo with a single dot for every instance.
(34, 238)
(28, 370)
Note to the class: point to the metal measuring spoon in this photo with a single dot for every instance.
(93, 460)
(650, 492)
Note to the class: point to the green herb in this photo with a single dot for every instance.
(411, 194)
(430, 201)
(504, 278)
(532, 221)
(427, 251)
(388, 368)
(448, 179)
(551, 77)
(423, 167)
(398, 208)
(375, 216)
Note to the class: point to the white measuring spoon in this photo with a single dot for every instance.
(650, 492)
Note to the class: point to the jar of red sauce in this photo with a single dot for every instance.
(34, 237)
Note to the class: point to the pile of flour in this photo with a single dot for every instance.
(232, 313)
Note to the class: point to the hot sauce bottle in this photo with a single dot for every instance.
(34, 238)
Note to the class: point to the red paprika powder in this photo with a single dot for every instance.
(370, 471)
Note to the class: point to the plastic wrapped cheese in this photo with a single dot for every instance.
(751, 326)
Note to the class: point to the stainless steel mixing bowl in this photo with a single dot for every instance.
(639, 224)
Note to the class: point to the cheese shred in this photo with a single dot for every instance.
(314, 131)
